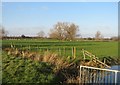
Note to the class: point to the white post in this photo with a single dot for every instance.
(115, 78)
(80, 74)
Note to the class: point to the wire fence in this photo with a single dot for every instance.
(61, 51)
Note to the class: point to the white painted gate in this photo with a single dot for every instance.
(98, 75)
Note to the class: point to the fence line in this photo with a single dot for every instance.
(62, 51)
(97, 75)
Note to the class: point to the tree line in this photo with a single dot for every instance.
(60, 31)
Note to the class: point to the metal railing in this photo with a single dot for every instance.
(97, 75)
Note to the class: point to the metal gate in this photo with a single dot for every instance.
(98, 75)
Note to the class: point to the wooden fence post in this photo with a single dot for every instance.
(83, 53)
(64, 52)
(29, 47)
(74, 52)
(59, 51)
(47, 49)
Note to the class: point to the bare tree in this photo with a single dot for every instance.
(41, 34)
(64, 31)
(23, 36)
(3, 32)
(114, 38)
(98, 35)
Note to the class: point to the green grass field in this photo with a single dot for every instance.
(64, 48)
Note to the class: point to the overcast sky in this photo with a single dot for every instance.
(29, 18)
